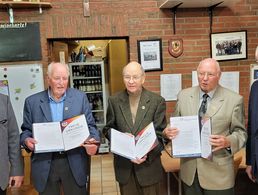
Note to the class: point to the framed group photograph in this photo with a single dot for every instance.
(229, 45)
(150, 54)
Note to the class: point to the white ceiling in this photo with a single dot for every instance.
(196, 3)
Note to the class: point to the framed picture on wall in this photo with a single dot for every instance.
(229, 45)
(150, 54)
(253, 73)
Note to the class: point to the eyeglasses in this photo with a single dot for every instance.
(133, 78)
(209, 74)
(60, 79)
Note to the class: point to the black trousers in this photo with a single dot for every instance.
(2, 192)
(133, 187)
(61, 176)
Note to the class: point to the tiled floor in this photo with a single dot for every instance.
(102, 170)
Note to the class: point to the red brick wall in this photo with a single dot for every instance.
(142, 19)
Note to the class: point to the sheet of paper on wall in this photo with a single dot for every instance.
(187, 142)
(132, 147)
(228, 80)
(60, 136)
(170, 85)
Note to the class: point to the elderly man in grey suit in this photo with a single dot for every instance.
(226, 111)
(11, 164)
(130, 111)
(69, 169)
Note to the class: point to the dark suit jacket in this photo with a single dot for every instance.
(37, 110)
(151, 107)
(11, 163)
(252, 130)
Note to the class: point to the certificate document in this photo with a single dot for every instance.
(187, 142)
(132, 147)
(205, 143)
(190, 142)
(60, 136)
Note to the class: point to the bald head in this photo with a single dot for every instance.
(134, 65)
(211, 62)
(208, 74)
(134, 77)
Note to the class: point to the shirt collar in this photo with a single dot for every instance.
(211, 93)
(52, 99)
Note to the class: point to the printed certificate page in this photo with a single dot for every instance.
(205, 143)
(187, 143)
(60, 136)
(48, 137)
(75, 131)
(122, 144)
(145, 141)
(133, 147)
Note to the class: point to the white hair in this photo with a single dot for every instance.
(50, 68)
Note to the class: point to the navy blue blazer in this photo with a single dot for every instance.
(252, 129)
(37, 110)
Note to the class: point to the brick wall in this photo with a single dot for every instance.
(142, 19)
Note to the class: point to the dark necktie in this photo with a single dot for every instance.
(203, 108)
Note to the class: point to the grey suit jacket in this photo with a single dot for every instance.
(226, 111)
(11, 163)
(151, 107)
(37, 110)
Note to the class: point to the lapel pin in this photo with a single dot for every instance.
(66, 108)
(143, 107)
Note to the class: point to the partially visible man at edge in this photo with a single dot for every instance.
(54, 169)
(11, 163)
(252, 130)
(226, 111)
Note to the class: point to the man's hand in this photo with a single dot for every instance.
(219, 142)
(30, 143)
(139, 161)
(248, 170)
(170, 132)
(15, 181)
(91, 146)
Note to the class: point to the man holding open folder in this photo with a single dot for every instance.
(225, 109)
(68, 169)
(130, 111)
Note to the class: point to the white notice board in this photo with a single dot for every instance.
(23, 80)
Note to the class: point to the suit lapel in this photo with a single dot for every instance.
(125, 109)
(143, 108)
(67, 105)
(45, 107)
(216, 102)
(194, 100)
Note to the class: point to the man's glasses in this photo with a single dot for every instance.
(208, 74)
(133, 78)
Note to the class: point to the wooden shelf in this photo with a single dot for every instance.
(195, 3)
(24, 4)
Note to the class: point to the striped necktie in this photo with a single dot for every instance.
(203, 108)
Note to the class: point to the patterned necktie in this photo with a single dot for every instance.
(203, 108)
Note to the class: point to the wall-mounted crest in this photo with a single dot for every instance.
(175, 47)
